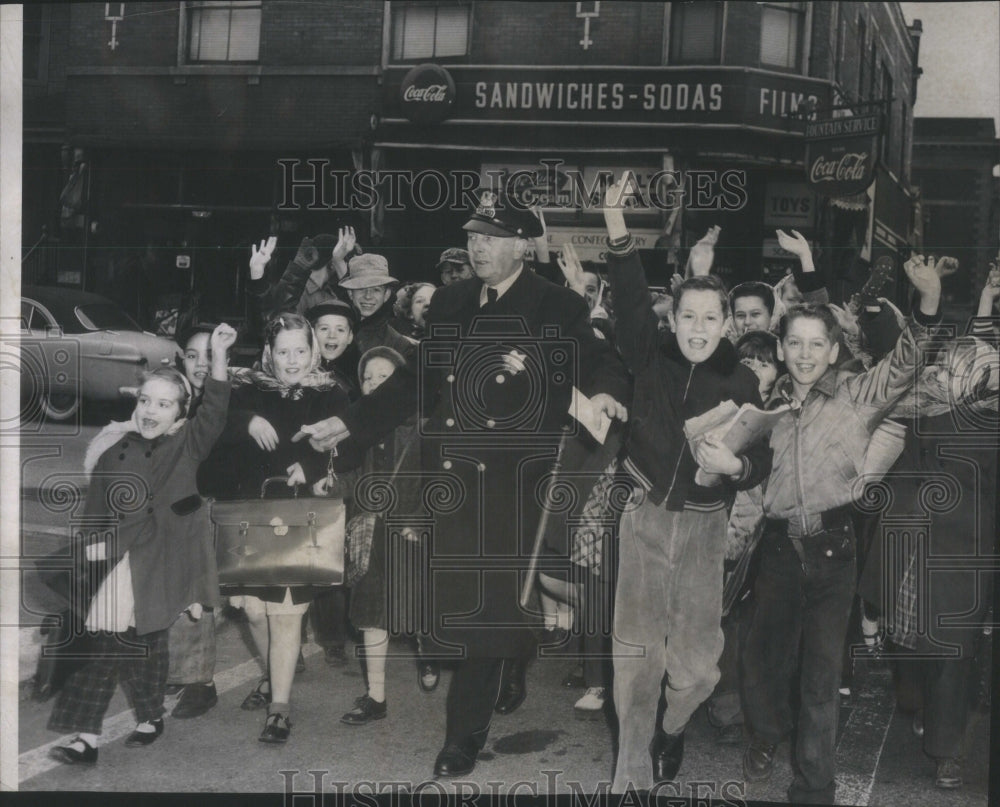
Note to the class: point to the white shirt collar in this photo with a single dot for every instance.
(501, 287)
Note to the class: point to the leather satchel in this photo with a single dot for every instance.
(279, 542)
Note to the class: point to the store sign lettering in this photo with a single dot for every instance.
(840, 154)
(427, 94)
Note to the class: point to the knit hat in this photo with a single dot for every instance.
(366, 271)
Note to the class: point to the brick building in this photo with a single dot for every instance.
(190, 115)
(954, 160)
(706, 88)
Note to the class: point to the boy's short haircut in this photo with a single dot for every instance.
(761, 346)
(703, 283)
(820, 312)
(753, 288)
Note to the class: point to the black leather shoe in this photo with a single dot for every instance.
(277, 727)
(70, 756)
(730, 735)
(758, 760)
(195, 700)
(173, 689)
(428, 675)
(364, 712)
(140, 738)
(574, 678)
(456, 759)
(335, 656)
(666, 751)
(259, 697)
(512, 687)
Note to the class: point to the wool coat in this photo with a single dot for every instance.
(143, 494)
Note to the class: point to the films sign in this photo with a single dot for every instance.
(841, 154)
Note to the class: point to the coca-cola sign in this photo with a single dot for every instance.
(841, 154)
(427, 94)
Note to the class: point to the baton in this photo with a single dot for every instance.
(529, 582)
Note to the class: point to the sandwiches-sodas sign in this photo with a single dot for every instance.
(427, 94)
(841, 154)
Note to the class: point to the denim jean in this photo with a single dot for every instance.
(192, 649)
(797, 604)
(725, 706)
(668, 610)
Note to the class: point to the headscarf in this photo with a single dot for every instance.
(266, 379)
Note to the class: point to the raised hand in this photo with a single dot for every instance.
(222, 338)
(346, 239)
(572, 269)
(945, 266)
(263, 433)
(615, 196)
(926, 281)
(703, 253)
(259, 256)
(798, 246)
(990, 293)
(846, 319)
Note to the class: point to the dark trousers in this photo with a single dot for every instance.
(138, 662)
(725, 706)
(945, 687)
(475, 686)
(328, 615)
(808, 605)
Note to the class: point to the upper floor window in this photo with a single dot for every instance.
(430, 30)
(862, 56)
(220, 31)
(696, 32)
(781, 30)
(35, 35)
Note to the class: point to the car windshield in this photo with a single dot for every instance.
(105, 317)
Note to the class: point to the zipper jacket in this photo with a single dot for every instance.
(669, 390)
(819, 447)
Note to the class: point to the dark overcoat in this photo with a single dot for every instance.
(490, 438)
(148, 488)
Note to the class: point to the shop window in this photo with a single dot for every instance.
(696, 32)
(35, 37)
(224, 31)
(430, 30)
(781, 29)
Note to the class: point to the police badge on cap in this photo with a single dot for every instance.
(499, 217)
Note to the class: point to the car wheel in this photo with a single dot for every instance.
(60, 405)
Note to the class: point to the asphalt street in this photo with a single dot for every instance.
(541, 748)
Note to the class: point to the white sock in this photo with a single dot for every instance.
(376, 646)
(146, 728)
(89, 739)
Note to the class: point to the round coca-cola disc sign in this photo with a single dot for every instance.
(427, 94)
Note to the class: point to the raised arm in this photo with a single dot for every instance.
(206, 426)
(637, 326)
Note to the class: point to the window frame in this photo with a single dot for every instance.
(675, 9)
(186, 18)
(400, 5)
(800, 46)
(44, 24)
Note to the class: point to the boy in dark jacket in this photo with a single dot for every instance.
(668, 606)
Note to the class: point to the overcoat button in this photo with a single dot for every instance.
(482, 466)
(446, 464)
(149, 453)
(149, 510)
(121, 456)
(491, 423)
(451, 378)
(450, 422)
(829, 553)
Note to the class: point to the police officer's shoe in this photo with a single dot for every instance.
(667, 752)
(456, 759)
(513, 689)
(195, 700)
(758, 760)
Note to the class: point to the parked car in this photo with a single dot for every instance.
(76, 345)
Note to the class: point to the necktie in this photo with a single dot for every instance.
(491, 296)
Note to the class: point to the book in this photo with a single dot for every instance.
(737, 427)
